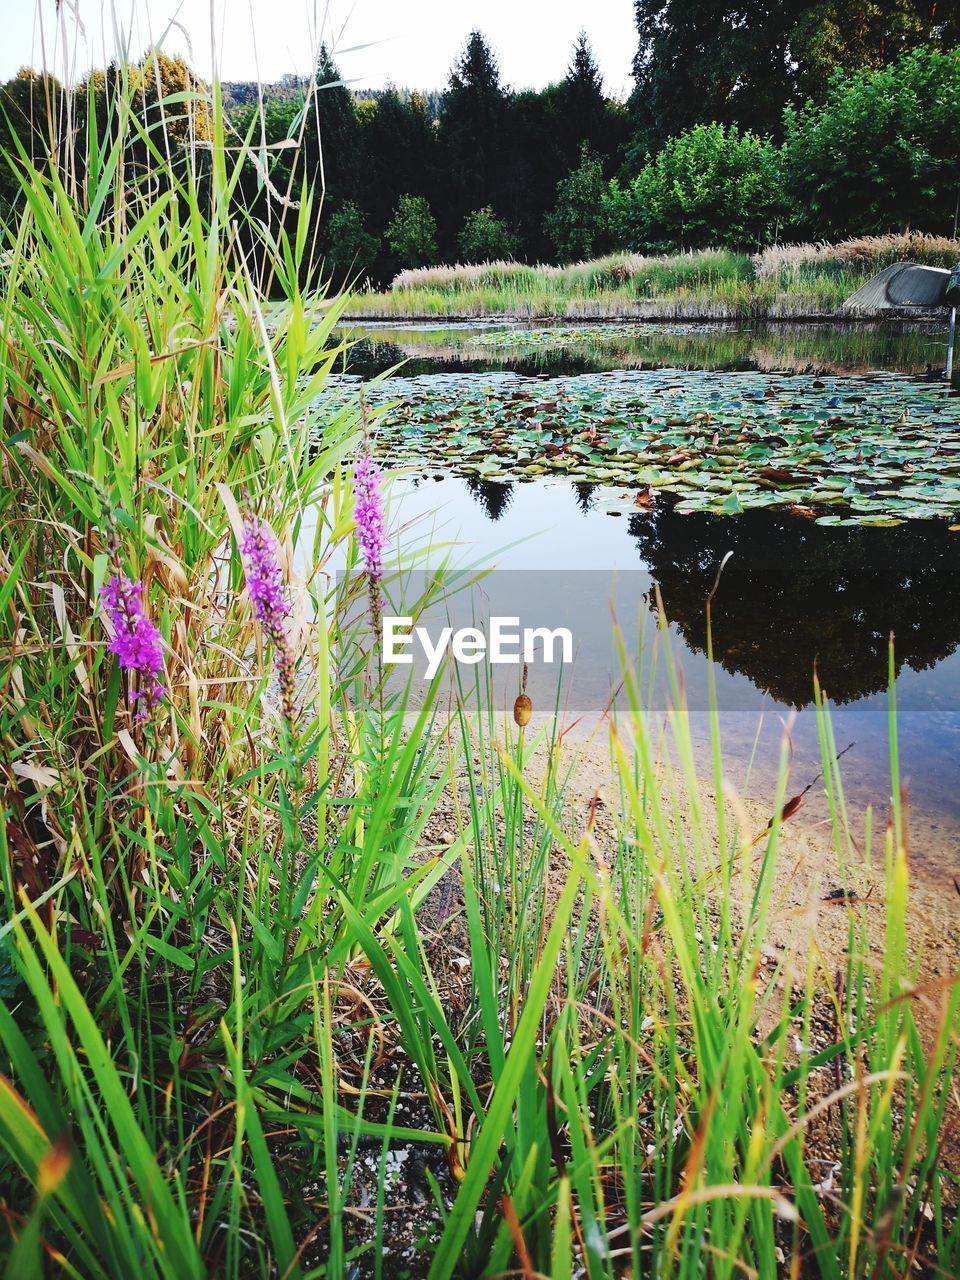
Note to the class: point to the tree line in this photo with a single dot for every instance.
(747, 124)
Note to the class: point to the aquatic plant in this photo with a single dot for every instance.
(368, 513)
(840, 450)
(371, 533)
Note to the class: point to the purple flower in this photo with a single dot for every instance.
(136, 640)
(369, 515)
(268, 595)
(371, 534)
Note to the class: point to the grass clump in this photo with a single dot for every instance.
(851, 260)
(783, 281)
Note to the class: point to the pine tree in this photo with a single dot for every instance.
(399, 143)
(473, 128)
(331, 137)
(583, 108)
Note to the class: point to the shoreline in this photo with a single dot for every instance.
(926, 316)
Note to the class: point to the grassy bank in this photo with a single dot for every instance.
(239, 1036)
(783, 282)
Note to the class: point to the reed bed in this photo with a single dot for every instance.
(226, 1013)
(781, 282)
(865, 255)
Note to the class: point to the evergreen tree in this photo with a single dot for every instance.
(473, 128)
(398, 145)
(582, 107)
(331, 134)
(352, 247)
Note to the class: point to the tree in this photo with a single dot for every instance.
(710, 186)
(700, 60)
(352, 247)
(577, 224)
(485, 237)
(473, 133)
(882, 153)
(331, 134)
(836, 35)
(412, 232)
(583, 109)
(741, 61)
(778, 559)
(399, 145)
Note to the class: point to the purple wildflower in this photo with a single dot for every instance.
(371, 534)
(261, 565)
(136, 640)
(369, 515)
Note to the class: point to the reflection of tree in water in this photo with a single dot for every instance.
(367, 358)
(586, 494)
(493, 495)
(795, 592)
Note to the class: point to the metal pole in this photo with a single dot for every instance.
(951, 334)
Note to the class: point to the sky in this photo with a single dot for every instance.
(411, 43)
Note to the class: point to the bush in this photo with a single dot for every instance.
(485, 237)
(710, 186)
(577, 224)
(883, 152)
(412, 232)
(352, 246)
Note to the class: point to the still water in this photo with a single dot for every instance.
(794, 597)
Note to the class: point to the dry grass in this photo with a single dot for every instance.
(866, 254)
(612, 271)
(798, 281)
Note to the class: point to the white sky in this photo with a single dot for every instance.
(409, 42)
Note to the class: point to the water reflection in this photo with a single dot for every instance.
(794, 593)
(494, 497)
(562, 350)
(586, 494)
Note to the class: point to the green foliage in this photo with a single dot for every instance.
(882, 152)
(783, 282)
(485, 237)
(398, 144)
(699, 60)
(712, 185)
(763, 443)
(174, 407)
(412, 231)
(577, 224)
(215, 916)
(834, 35)
(352, 247)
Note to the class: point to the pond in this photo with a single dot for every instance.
(592, 468)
